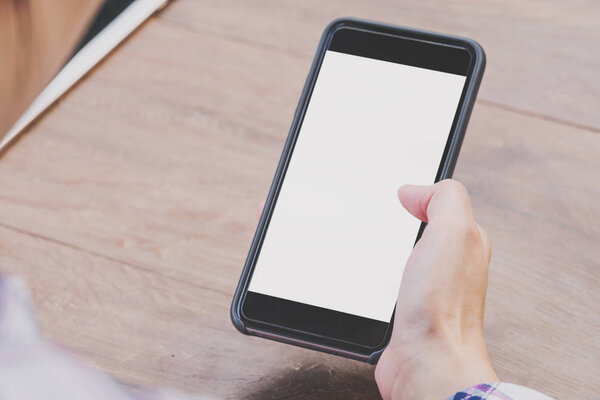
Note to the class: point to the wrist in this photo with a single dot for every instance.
(433, 369)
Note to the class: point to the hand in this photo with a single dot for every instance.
(437, 345)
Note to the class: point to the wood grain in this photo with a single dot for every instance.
(156, 331)
(542, 55)
(130, 206)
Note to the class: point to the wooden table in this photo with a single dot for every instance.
(130, 206)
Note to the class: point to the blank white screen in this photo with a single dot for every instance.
(338, 237)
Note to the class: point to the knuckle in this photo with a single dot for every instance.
(467, 231)
(454, 187)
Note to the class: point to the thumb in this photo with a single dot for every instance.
(448, 199)
(416, 199)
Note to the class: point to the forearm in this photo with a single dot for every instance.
(36, 37)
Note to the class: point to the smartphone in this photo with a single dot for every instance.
(382, 106)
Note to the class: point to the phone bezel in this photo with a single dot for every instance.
(303, 337)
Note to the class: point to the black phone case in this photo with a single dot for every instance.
(445, 171)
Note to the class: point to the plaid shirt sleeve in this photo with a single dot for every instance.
(498, 391)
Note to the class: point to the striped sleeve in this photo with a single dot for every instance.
(498, 391)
